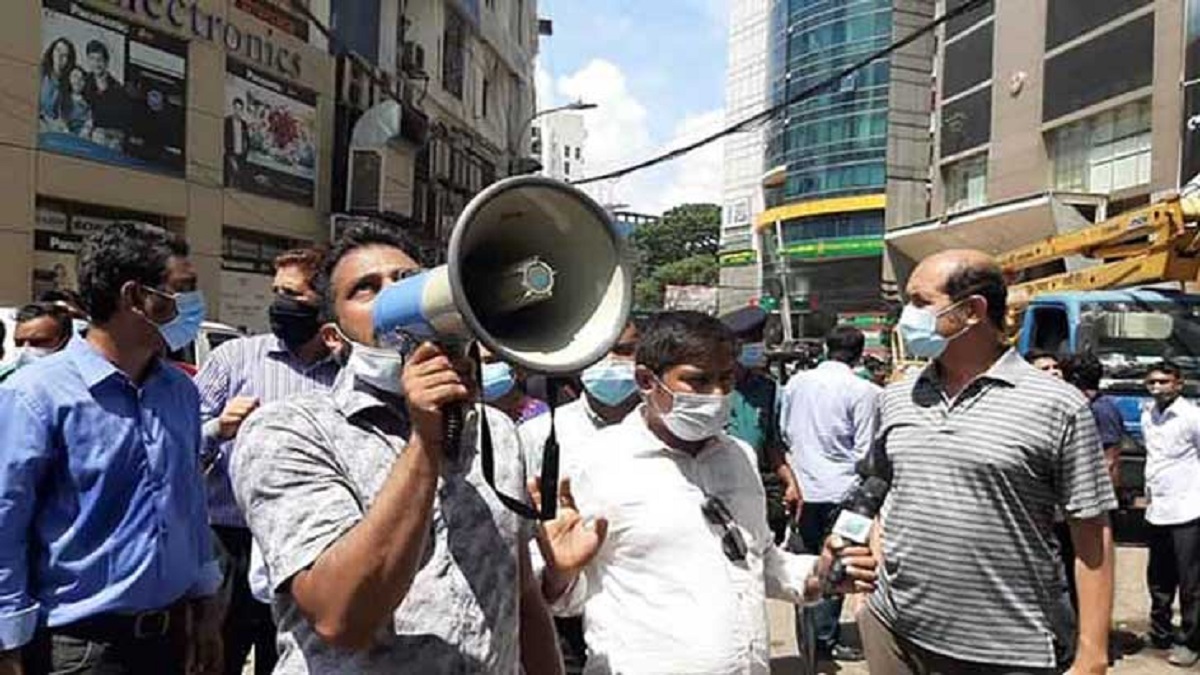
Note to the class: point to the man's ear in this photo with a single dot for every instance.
(131, 296)
(979, 308)
(330, 336)
(644, 378)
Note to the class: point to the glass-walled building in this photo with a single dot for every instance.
(824, 224)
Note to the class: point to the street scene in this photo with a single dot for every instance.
(554, 337)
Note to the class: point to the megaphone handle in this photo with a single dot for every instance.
(452, 428)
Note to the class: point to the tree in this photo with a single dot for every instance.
(680, 249)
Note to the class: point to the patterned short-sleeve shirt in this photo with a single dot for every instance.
(307, 470)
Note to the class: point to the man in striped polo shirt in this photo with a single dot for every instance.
(237, 378)
(984, 447)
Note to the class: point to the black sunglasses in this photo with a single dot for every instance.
(716, 513)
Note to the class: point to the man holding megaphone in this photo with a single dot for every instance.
(387, 552)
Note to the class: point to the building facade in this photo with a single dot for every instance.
(822, 231)
(463, 70)
(558, 143)
(211, 119)
(1051, 114)
(745, 95)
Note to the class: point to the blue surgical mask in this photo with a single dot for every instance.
(498, 380)
(918, 328)
(753, 355)
(610, 382)
(189, 314)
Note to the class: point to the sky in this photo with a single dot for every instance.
(656, 69)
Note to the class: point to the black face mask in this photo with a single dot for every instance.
(293, 321)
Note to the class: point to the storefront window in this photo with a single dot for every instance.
(1104, 153)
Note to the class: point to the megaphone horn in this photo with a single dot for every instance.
(535, 271)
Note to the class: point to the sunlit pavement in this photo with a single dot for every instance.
(1131, 614)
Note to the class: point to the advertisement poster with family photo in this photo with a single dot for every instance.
(270, 136)
(111, 91)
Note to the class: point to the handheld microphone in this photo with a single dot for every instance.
(862, 504)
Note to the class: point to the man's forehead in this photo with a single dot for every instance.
(373, 259)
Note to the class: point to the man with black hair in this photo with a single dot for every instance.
(984, 450)
(1047, 362)
(387, 553)
(1171, 425)
(239, 376)
(41, 329)
(829, 418)
(106, 559)
(111, 110)
(1085, 371)
(674, 564)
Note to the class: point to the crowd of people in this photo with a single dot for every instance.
(301, 498)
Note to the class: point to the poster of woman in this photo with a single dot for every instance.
(110, 91)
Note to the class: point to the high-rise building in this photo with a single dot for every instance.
(822, 231)
(745, 95)
(558, 144)
(1050, 114)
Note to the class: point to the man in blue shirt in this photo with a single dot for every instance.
(106, 559)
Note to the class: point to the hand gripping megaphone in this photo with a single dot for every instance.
(537, 273)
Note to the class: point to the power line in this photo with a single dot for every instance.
(803, 95)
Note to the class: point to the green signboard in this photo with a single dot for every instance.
(738, 258)
(825, 249)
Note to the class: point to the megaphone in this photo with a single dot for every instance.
(536, 271)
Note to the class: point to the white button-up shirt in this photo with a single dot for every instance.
(1172, 462)
(575, 424)
(829, 421)
(661, 596)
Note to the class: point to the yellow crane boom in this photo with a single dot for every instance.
(1151, 244)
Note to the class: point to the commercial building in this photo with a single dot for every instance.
(558, 143)
(1051, 114)
(745, 96)
(844, 152)
(212, 119)
(463, 70)
(230, 122)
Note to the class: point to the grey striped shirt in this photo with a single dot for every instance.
(259, 366)
(970, 561)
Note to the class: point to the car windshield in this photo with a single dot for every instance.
(1131, 336)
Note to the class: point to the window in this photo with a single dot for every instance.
(1104, 153)
(577, 153)
(453, 48)
(1068, 19)
(966, 183)
(965, 21)
(483, 97)
(566, 168)
(1118, 62)
(518, 21)
(968, 62)
(967, 122)
(567, 151)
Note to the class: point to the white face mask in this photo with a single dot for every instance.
(377, 366)
(695, 417)
(28, 355)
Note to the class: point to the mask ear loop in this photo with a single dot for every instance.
(549, 475)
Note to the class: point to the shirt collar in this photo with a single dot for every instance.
(94, 368)
(352, 396)
(1009, 369)
(278, 348)
(833, 364)
(1177, 407)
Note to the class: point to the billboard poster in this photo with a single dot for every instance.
(54, 255)
(1191, 95)
(110, 91)
(270, 136)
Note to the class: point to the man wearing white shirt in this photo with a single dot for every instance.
(829, 422)
(1172, 430)
(674, 570)
(609, 395)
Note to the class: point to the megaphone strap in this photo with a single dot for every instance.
(549, 474)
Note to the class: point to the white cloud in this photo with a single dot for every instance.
(619, 134)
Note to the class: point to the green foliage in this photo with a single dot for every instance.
(680, 249)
